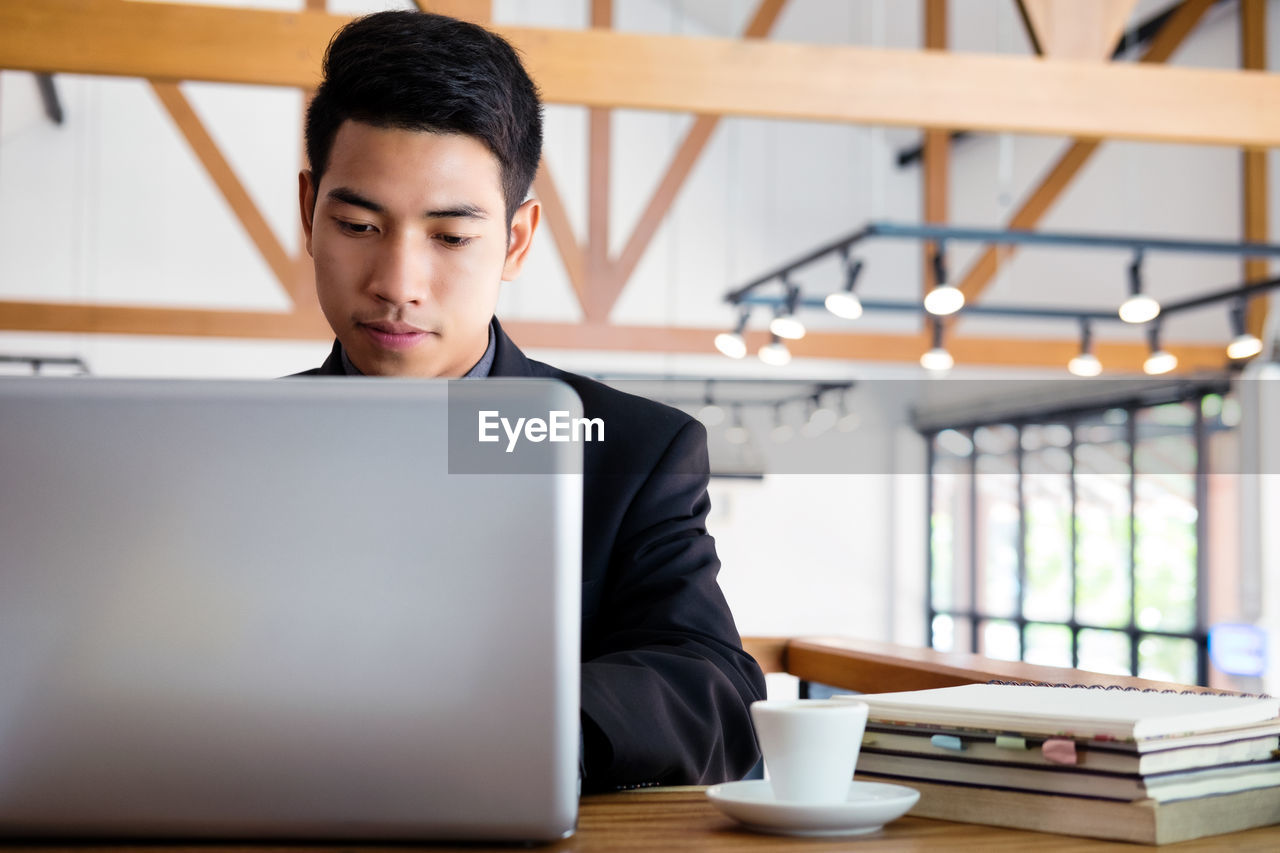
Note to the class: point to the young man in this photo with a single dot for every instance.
(423, 141)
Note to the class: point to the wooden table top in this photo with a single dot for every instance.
(675, 819)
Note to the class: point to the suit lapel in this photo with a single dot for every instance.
(333, 364)
(508, 360)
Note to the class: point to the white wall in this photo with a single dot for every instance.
(806, 555)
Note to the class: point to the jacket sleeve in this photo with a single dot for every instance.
(666, 689)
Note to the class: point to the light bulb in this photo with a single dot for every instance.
(1139, 309)
(711, 414)
(1159, 362)
(731, 344)
(943, 300)
(787, 326)
(1244, 346)
(775, 353)
(844, 305)
(819, 422)
(849, 422)
(1085, 364)
(937, 360)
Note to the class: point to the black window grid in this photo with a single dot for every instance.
(1072, 418)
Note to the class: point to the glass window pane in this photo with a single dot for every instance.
(1104, 651)
(1102, 521)
(1046, 495)
(963, 634)
(1093, 522)
(943, 635)
(1167, 659)
(995, 440)
(999, 639)
(1224, 600)
(997, 520)
(949, 522)
(1049, 645)
(1165, 518)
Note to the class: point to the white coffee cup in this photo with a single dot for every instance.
(810, 746)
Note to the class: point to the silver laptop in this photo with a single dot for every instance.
(283, 609)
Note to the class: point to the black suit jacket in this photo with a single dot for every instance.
(666, 686)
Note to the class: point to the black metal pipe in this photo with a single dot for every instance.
(837, 245)
(49, 97)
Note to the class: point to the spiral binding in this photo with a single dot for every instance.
(1121, 689)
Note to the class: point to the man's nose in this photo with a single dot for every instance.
(400, 271)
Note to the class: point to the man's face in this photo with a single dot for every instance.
(408, 234)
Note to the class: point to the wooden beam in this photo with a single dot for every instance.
(983, 271)
(686, 156)
(176, 322)
(878, 347)
(905, 88)
(1253, 56)
(682, 163)
(1077, 29)
(571, 254)
(224, 177)
(599, 177)
(1116, 357)
(681, 74)
(937, 146)
(1060, 175)
(165, 41)
(692, 340)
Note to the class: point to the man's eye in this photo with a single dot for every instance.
(354, 227)
(453, 240)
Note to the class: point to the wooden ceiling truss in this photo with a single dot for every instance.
(1253, 55)
(603, 70)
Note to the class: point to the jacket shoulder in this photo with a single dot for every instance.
(627, 414)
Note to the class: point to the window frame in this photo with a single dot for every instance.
(1071, 416)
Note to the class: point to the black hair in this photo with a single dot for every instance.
(419, 71)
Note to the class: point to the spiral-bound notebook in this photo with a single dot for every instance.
(1095, 713)
(1255, 742)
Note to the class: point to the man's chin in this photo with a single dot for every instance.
(408, 364)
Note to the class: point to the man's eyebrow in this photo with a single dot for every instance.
(353, 198)
(460, 211)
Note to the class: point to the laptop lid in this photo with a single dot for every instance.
(270, 610)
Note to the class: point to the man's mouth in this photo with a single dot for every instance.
(393, 335)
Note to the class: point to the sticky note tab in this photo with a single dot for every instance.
(950, 742)
(1060, 751)
(1011, 742)
(869, 739)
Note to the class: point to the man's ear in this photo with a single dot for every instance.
(523, 224)
(306, 204)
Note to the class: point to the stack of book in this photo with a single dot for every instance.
(1135, 765)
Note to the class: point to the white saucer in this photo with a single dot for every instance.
(870, 805)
